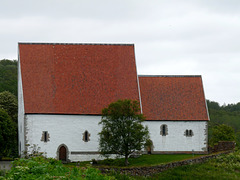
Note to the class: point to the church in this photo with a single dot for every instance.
(62, 88)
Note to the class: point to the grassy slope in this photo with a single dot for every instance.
(223, 167)
(144, 160)
(151, 160)
(197, 171)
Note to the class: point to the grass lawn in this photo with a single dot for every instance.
(78, 164)
(144, 160)
(223, 167)
(197, 171)
(155, 159)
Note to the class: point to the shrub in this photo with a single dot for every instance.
(230, 162)
(47, 168)
(112, 162)
(222, 132)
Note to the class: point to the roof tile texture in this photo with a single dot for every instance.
(173, 98)
(76, 78)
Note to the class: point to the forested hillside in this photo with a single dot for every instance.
(226, 114)
(229, 114)
(8, 76)
(8, 108)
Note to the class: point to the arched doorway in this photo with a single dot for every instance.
(149, 146)
(62, 153)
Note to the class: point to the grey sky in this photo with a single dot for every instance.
(171, 37)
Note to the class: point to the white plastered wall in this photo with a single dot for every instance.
(21, 136)
(69, 129)
(175, 140)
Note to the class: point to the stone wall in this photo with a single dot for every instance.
(147, 171)
(222, 146)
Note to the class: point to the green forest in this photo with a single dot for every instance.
(225, 114)
(8, 108)
(8, 76)
(229, 115)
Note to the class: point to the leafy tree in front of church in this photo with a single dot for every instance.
(122, 130)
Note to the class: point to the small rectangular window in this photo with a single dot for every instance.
(188, 133)
(163, 130)
(86, 136)
(45, 136)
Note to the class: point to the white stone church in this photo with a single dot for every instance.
(62, 89)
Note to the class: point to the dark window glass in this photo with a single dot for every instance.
(164, 130)
(45, 136)
(86, 136)
(190, 132)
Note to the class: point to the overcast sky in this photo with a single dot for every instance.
(171, 37)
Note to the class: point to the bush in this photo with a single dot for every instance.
(222, 132)
(47, 168)
(229, 162)
(2, 173)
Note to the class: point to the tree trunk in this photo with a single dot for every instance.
(126, 160)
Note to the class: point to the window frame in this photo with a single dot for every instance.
(45, 136)
(164, 130)
(188, 133)
(86, 136)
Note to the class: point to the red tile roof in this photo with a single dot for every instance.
(76, 78)
(173, 98)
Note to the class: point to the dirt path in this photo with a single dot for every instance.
(5, 165)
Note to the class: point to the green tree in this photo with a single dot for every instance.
(238, 139)
(8, 102)
(222, 132)
(7, 134)
(122, 130)
(8, 76)
(225, 114)
(213, 104)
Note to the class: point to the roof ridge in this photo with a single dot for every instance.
(169, 75)
(108, 44)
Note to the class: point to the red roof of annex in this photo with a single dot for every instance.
(173, 98)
